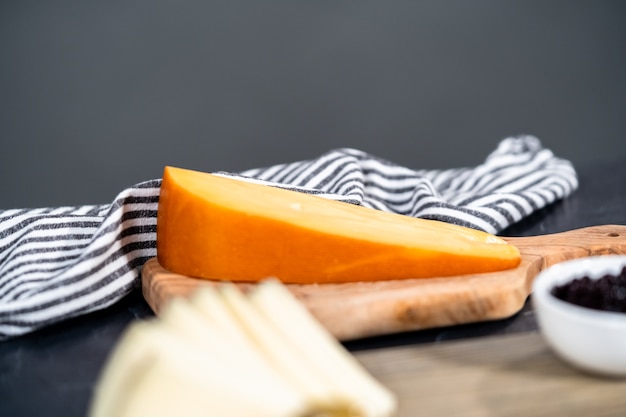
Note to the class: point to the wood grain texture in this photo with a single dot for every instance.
(355, 310)
(513, 375)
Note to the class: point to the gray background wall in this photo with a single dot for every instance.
(97, 96)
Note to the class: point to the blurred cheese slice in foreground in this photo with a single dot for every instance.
(185, 363)
(215, 227)
(155, 373)
(347, 381)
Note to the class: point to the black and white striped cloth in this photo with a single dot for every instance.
(58, 263)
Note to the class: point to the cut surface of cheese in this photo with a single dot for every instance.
(216, 227)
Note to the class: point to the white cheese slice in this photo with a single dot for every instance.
(154, 371)
(240, 355)
(288, 362)
(295, 325)
(224, 353)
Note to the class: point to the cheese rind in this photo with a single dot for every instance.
(214, 227)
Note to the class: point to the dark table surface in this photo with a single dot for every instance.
(52, 372)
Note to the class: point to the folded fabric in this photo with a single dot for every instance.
(58, 263)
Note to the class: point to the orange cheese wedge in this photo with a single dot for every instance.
(216, 227)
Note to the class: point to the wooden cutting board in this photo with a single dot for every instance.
(356, 310)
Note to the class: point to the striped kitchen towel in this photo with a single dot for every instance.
(62, 262)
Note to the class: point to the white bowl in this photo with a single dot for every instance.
(592, 340)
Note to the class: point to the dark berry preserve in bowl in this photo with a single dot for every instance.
(607, 293)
